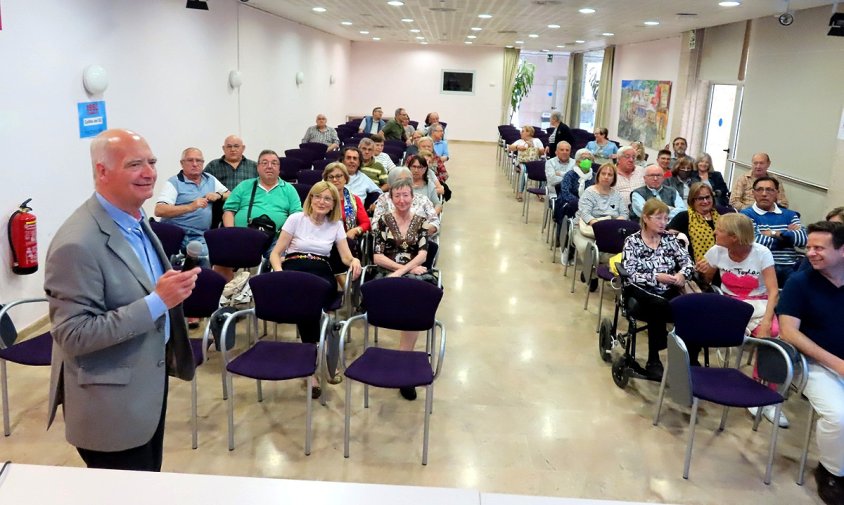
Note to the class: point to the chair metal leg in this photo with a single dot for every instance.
(757, 418)
(347, 418)
(7, 430)
(230, 409)
(366, 396)
(773, 447)
(194, 441)
(308, 409)
(223, 380)
(588, 286)
(526, 203)
(801, 472)
(573, 272)
(260, 390)
(724, 419)
(600, 305)
(429, 399)
(662, 385)
(692, 424)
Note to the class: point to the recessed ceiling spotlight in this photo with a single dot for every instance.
(471, 37)
(468, 42)
(579, 41)
(607, 34)
(533, 35)
(520, 42)
(553, 26)
(364, 32)
(561, 46)
(476, 29)
(485, 16)
(376, 39)
(651, 23)
(586, 10)
(729, 4)
(420, 38)
(395, 3)
(424, 43)
(346, 23)
(509, 47)
(319, 9)
(415, 30)
(406, 20)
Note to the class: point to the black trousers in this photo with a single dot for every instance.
(309, 331)
(146, 458)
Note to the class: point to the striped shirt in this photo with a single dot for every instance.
(777, 220)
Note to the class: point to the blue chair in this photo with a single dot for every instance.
(726, 386)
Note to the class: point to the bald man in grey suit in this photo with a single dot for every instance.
(115, 307)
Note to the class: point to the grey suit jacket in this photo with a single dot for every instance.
(108, 353)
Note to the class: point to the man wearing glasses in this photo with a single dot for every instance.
(741, 196)
(654, 188)
(777, 228)
(231, 169)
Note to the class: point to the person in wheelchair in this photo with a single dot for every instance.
(353, 214)
(658, 267)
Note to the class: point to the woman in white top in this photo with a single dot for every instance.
(529, 149)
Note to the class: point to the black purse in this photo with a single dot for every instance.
(262, 223)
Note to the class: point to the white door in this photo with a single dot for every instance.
(722, 125)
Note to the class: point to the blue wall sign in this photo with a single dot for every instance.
(92, 118)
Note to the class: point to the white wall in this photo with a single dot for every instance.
(168, 69)
(407, 75)
(656, 60)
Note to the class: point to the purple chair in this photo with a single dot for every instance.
(319, 165)
(203, 302)
(170, 236)
(317, 147)
(303, 190)
(405, 305)
(309, 177)
(395, 144)
(288, 298)
(35, 351)
(331, 156)
(396, 153)
(290, 168)
(533, 171)
(725, 209)
(236, 247)
(414, 124)
(613, 233)
(306, 155)
(726, 386)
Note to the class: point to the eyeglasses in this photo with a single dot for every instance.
(703, 198)
(232, 146)
(334, 177)
(265, 163)
(654, 175)
(765, 190)
(685, 170)
(194, 160)
(326, 199)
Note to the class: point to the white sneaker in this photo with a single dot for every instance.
(768, 412)
(235, 285)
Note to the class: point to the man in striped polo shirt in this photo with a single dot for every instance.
(777, 228)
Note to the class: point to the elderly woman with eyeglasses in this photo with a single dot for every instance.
(706, 174)
(355, 220)
(697, 223)
(660, 266)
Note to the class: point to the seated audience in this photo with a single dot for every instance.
(231, 169)
(420, 205)
(680, 145)
(186, 198)
(658, 264)
(641, 155)
(322, 133)
(560, 132)
(394, 129)
(663, 159)
(654, 188)
(602, 148)
(374, 123)
(529, 149)
(304, 246)
(698, 222)
(435, 163)
(359, 184)
(810, 319)
(629, 176)
(421, 183)
(379, 155)
(401, 249)
(431, 119)
(556, 167)
(778, 229)
(742, 195)
(574, 184)
(438, 165)
(369, 166)
(353, 214)
(409, 130)
(836, 215)
(681, 177)
(706, 174)
(436, 132)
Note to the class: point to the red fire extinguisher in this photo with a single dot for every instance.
(23, 240)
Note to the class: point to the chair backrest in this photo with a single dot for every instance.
(290, 168)
(204, 300)
(309, 177)
(306, 155)
(370, 199)
(303, 190)
(679, 379)
(289, 297)
(444, 125)
(8, 332)
(236, 247)
(170, 236)
(535, 170)
(414, 124)
(330, 156)
(611, 233)
(394, 143)
(725, 209)
(400, 303)
(710, 320)
(319, 165)
(317, 147)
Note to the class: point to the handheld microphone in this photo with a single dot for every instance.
(192, 253)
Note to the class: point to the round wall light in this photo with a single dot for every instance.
(300, 77)
(235, 79)
(95, 79)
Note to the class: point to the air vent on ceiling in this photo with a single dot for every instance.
(443, 9)
(547, 2)
(687, 14)
(507, 31)
(380, 27)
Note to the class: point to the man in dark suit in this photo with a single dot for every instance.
(561, 132)
(115, 307)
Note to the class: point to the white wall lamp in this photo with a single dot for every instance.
(94, 79)
(300, 77)
(332, 79)
(235, 79)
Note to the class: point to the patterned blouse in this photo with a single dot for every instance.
(390, 243)
(643, 263)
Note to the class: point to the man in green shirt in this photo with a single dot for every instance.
(372, 168)
(394, 128)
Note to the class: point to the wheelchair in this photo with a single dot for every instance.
(619, 348)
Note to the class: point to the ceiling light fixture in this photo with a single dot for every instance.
(395, 3)
(509, 47)
(476, 29)
(651, 23)
(586, 10)
(533, 36)
(729, 4)
(471, 37)
(520, 42)
(579, 41)
(420, 38)
(376, 39)
(406, 20)
(319, 9)
(424, 43)
(485, 16)
(553, 26)
(415, 30)
(346, 23)
(561, 46)
(468, 42)
(607, 34)
(364, 32)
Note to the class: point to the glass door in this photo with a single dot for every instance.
(722, 125)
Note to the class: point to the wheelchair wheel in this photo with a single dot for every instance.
(605, 340)
(621, 372)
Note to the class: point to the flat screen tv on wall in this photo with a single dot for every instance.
(461, 82)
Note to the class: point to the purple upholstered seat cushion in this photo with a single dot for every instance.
(275, 361)
(604, 272)
(35, 351)
(389, 368)
(728, 386)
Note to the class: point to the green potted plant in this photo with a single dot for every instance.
(521, 85)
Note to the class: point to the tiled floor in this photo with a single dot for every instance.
(524, 405)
